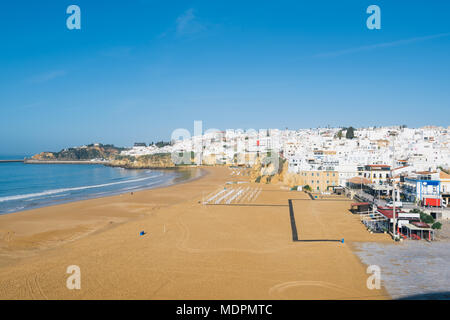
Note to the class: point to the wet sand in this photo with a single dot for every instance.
(412, 269)
(244, 250)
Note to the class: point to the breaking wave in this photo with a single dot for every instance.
(61, 190)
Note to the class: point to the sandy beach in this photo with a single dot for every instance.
(190, 250)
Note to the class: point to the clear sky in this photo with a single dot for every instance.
(139, 69)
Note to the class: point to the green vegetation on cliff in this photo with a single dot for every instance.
(89, 152)
(160, 144)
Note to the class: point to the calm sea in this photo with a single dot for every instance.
(28, 186)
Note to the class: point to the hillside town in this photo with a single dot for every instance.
(369, 162)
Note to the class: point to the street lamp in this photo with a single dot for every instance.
(393, 190)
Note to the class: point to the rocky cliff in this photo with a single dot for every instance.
(97, 151)
(266, 172)
(162, 160)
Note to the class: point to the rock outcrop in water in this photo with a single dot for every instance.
(108, 155)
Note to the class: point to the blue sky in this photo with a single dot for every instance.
(139, 69)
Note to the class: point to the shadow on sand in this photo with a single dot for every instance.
(429, 296)
(294, 228)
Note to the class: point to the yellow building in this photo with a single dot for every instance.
(319, 180)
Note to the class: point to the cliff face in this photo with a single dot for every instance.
(44, 156)
(268, 173)
(81, 153)
(292, 179)
(144, 162)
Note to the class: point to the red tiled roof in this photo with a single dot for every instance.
(359, 180)
(444, 175)
(400, 167)
(420, 224)
(388, 212)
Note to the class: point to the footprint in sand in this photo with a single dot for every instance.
(278, 289)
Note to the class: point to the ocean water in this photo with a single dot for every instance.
(28, 186)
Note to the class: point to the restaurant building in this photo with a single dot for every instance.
(423, 188)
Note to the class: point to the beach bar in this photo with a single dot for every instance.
(375, 222)
(360, 207)
(408, 224)
(417, 230)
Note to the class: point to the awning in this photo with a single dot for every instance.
(357, 204)
(420, 224)
(413, 227)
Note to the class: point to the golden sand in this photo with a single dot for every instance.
(190, 250)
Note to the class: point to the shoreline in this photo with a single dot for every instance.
(26, 214)
(189, 250)
(173, 181)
